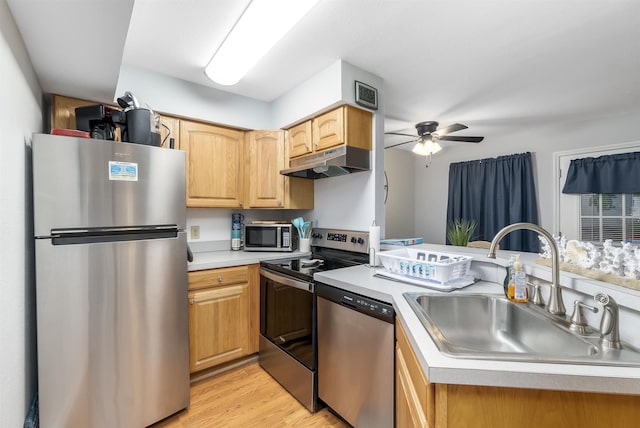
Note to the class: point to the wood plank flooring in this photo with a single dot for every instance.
(246, 397)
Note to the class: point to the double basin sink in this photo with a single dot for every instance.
(492, 327)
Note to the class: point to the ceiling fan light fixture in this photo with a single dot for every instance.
(261, 25)
(426, 148)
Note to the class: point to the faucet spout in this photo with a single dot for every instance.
(609, 330)
(556, 305)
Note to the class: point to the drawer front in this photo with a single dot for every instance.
(218, 277)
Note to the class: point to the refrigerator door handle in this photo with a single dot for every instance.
(119, 235)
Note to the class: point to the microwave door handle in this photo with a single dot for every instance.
(279, 231)
(306, 286)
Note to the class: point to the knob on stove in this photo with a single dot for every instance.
(353, 239)
(360, 241)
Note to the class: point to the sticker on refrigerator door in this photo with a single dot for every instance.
(123, 171)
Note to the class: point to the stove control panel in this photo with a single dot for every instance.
(340, 237)
(349, 240)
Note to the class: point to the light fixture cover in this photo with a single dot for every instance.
(262, 24)
(426, 148)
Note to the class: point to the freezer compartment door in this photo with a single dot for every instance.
(86, 183)
(113, 340)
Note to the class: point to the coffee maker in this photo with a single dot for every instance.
(137, 125)
(99, 120)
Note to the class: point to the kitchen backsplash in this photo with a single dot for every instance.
(215, 223)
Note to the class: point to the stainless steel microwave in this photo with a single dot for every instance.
(268, 237)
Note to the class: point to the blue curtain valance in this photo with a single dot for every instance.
(619, 173)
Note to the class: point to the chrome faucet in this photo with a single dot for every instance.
(556, 305)
(609, 332)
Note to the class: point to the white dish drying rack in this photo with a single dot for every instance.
(429, 268)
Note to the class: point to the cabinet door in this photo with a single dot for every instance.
(328, 129)
(214, 165)
(265, 157)
(219, 327)
(300, 140)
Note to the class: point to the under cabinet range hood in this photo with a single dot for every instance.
(329, 163)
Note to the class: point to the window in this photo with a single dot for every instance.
(593, 217)
(609, 216)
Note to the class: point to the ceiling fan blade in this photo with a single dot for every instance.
(406, 142)
(464, 139)
(400, 133)
(449, 129)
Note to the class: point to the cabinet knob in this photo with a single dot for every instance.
(220, 278)
(279, 203)
(192, 301)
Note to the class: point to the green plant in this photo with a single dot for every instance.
(460, 231)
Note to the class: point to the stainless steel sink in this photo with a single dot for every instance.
(492, 327)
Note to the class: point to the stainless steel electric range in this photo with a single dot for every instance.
(288, 331)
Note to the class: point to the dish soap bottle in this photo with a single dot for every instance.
(517, 290)
(508, 279)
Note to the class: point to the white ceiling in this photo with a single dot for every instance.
(488, 64)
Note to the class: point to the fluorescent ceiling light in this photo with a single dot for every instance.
(426, 148)
(262, 24)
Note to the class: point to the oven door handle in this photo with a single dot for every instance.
(306, 286)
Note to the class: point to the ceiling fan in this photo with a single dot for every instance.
(428, 134)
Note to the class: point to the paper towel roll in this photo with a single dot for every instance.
(374, 245)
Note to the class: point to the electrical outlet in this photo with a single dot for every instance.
(195, 232)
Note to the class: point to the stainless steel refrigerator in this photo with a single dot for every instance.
(111, 282)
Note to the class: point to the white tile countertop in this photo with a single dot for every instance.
(440, 368)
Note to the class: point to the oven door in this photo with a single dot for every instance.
(287, 315)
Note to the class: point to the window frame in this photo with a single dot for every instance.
(566, 207)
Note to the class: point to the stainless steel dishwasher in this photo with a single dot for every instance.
(356, 357)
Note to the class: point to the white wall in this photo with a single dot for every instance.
(542, 139)
(400, 215)
(169, 95)
(352, 201)
(20, 116)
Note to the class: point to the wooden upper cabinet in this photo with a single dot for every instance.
(300, 139)
(328, 130)
(169, 128)
(266, 154)
(344, 125)
(214, 165)
(265, 157)
(63, 111)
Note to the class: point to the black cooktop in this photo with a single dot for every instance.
(328, 253)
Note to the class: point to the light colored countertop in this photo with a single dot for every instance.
(440, 368)
(227, 258)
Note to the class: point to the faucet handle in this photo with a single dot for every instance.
(578, 323)
(602, 298)
(537, 298)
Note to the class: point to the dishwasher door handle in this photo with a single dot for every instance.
(349, 305)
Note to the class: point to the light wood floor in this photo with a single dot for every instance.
(246, 397)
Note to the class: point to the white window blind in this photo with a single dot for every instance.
(609, 216)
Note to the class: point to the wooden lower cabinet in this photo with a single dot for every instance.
(415, 397)
(420, 403)
(223, 315)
